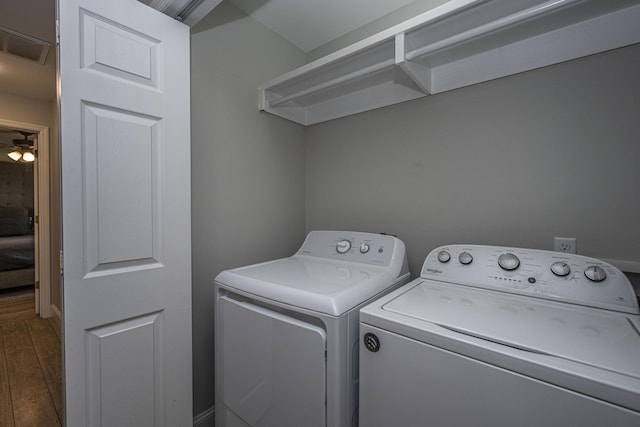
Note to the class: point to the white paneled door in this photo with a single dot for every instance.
(125, 166)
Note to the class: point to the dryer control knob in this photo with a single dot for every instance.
(508, 261)
(343, 246)
(444, 256)
(465, 258)
(364, 248)
(595, 273)
(560, 268)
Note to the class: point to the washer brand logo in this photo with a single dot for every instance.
(434, 271)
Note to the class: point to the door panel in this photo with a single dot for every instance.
(118, 51)
(273, 368)
(124, 110)
(125, 391)
(125, 147)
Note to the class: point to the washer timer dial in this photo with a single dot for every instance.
(465, 258)
(595, 273)
(508, 261)
(444, 256)
(560, 268)
(364, 248)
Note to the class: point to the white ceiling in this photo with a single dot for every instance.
(312, 23)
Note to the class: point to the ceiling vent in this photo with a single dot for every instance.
(21, 45)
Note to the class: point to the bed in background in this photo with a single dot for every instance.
(17, 247)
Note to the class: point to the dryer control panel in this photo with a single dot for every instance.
(536, 273)
(351, 246)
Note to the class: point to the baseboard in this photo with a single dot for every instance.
(57, 317)
(205, 419)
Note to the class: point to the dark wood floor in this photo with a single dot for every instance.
(30, 367)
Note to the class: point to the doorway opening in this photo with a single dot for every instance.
(30, 325)
(39, 213)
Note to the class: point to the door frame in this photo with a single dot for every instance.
(43, 236)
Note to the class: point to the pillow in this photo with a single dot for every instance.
(14, 221)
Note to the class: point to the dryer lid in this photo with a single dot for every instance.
(327, 287)
(598, 338)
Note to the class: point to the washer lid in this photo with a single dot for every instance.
(601, 339)
(327, 287)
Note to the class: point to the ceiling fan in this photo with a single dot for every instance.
(23, 149)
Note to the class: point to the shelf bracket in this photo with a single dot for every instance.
(419, 74)
(262, 98)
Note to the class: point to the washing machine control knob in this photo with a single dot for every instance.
(595, 273)
(465, 258)
(364, 248)
(560, 268)
(508, 261)
(444, 256)
(343, 246)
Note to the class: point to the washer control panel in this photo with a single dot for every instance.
(542, 274)
(353, 246)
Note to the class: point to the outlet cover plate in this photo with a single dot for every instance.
(565, 244)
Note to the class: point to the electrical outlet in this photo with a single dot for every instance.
(565, 244)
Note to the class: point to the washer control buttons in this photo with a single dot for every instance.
(560, 268)
(595, 273)
(508, 261)
(364, 248)
(444, 256)
(465, 258)
(371, 342)
(343, 246)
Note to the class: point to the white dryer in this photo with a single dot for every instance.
(502, 337)
(286, 331)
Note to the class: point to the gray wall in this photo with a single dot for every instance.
(16, 183)
(399, 15)
(515, 161)
(247, 166)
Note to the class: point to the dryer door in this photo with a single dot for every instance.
(273, 367)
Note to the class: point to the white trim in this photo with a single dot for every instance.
(205, 419)
(437, 13)
(358, 78)
(57, 316)
(44, 222)
(43, 245)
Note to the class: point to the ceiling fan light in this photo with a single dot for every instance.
(15, 155)
(28, 156)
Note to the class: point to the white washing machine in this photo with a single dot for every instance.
(503, 337)
(286, 331)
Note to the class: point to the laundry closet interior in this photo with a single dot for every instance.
(512, 161)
